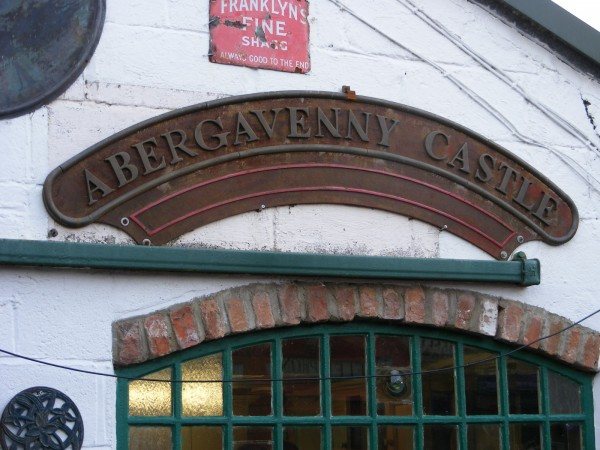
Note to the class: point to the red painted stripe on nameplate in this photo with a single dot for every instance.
(135, 215)
(317, 189)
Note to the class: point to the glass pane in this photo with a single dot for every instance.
(302, 438)
(565, 396)
(202, 399)
(149, 438)
(252, 438)
(349, 438)
(438, 387)
(525, 436)
(481, 382)
(301, 360)
(437, 437)
(484, 437)
(523, 387)
(252, 397)
(565, 436)
(201, 438)
(151, 398)
(395, 437)
(394, 392)
(348, 396)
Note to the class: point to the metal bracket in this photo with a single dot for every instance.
(531, 269)
(350, 94)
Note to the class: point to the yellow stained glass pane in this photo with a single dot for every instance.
(150, 438)
(201, 438)
(151, 398)
(203, 399)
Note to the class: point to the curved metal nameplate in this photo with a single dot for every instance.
(171, 174)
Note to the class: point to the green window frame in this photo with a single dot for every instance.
(371, 419)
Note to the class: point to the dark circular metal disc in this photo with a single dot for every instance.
(44, 46)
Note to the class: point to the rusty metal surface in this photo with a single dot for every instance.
(44, 46)
(267, 34)
(170, 175)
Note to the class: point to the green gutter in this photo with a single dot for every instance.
(562, 24)
(525, 272)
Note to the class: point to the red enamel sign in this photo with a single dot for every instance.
(265, 34)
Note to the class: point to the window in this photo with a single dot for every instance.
(273, 402)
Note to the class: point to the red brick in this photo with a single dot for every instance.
(236, 315)
(532, 332)
(510, 322)
(157, 330)
(414, 303)
(591, 351)
(392, 305)
(551, 345)
(571, 350)
(261, 304)
(289, 303)
(440, 306)
(345, 300)
(214, 327)
(130, 346)
(317, 309)
(185, 327)
(367, 301)
(465, 304)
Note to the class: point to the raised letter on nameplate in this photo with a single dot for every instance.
(264, 34)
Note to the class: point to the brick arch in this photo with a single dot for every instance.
(266, 306)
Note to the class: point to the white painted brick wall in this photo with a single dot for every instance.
(16, 148)
(448, 57)
(347, 230)
(74, 126)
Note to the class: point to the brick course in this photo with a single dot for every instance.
(317, 304)
(393, 304)
(510, 321)
(487, 316)
(345, 302)
(130, 343)
(185, 327)
(572, 344)
(236, 315)
(159, 334)
(552, 345)
(438, 308)
(212, 318)
(267, 306)
(290, 304)
(414, 302)
(591, 350)
(465, 305)
(261, 303)
(368, 303)
(533, 331)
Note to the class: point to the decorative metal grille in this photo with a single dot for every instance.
(41, 418)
